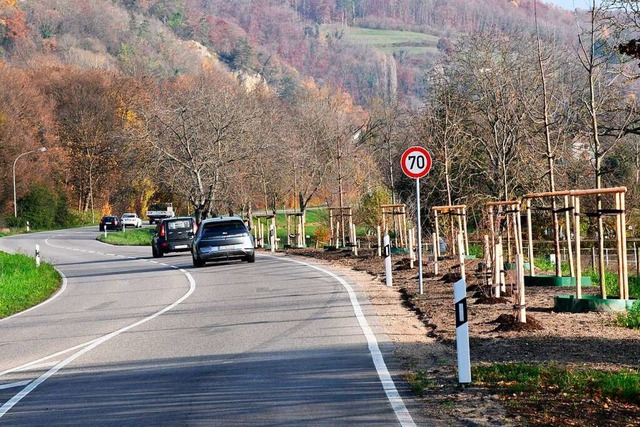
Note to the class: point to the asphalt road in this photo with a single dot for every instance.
(132, 340)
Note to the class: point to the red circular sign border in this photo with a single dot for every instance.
(406, 154)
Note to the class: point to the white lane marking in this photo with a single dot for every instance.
(86, 347)
(35, 367)
(14, 385)
(397, 404)
(43, 359)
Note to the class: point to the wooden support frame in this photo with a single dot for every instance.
(298, 235)
(460, 212)
(339, 228)
(259, 230)
(398, 219)
(510, 210)
(621, 232)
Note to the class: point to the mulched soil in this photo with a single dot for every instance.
(582, 340)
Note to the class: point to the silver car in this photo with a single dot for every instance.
(222, 238)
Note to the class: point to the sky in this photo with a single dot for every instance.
(570, 4)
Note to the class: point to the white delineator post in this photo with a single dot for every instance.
(462, 331)
(354, 240)
(387, 260)
(37, 255)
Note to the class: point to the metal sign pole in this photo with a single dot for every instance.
(420, 287)
(416, 163)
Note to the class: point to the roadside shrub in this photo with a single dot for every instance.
(476, 250)
(45, 210)
(630, 319)
(634, 287)
(63, 216)
(322, 234)
(39, 207)
(545, 264)
(368, 214)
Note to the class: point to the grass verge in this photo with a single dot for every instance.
(516, 378)
(135, 237)
(22, 284)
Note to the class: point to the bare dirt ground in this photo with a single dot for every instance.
(423, 330)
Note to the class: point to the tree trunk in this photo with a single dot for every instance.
(550, 153)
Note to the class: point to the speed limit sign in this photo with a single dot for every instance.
(416, 162)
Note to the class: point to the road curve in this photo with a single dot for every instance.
(132, 340)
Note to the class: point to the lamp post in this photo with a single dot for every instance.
(15, 203)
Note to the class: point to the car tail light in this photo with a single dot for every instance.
(195, 228)
(162, 233)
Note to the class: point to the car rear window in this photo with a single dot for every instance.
(223, 228)
(180, 225)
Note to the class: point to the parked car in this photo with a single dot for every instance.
(173, 235)
(222, 238)
(131, 220)
(110, 222)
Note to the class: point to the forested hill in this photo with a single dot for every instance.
(370, 48)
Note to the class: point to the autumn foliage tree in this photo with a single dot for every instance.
(13, 25)
(25, 125)
(90, 124)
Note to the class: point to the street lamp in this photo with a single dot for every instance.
(15, 203)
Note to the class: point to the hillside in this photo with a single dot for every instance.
(373, 49)
(141, 91)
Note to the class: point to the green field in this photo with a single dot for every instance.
(390, 41)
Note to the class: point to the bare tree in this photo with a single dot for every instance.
(311, 145)
(386, 138)
(200, 129)
(490, 71)
(607, 118)
(546, 110)
(443, 126)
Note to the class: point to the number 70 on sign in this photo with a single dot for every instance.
(416, 162)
